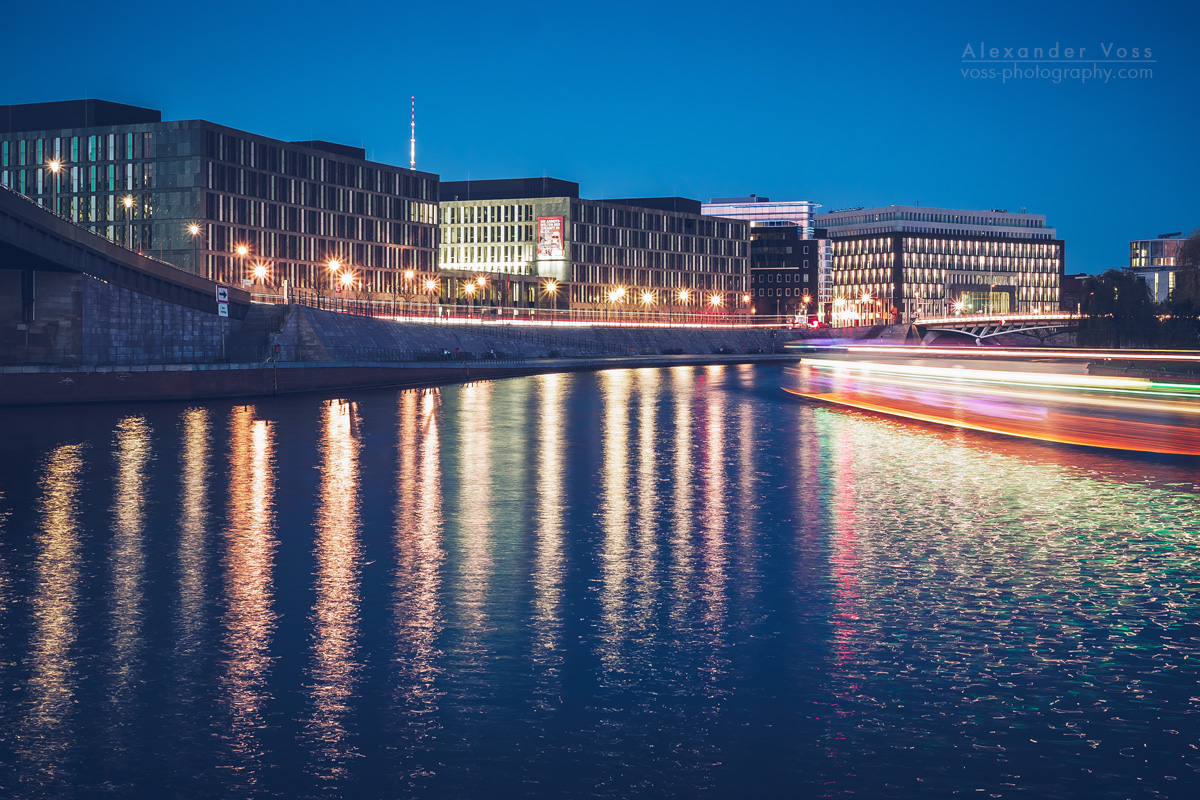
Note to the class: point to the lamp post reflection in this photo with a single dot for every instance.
(334, 671)
(47, 733)
(249, 616)
(131, 456)
(417, 619)
(615, 390)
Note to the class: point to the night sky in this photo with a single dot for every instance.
(844, 104)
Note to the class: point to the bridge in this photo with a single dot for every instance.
(67, 294)
(987, 326)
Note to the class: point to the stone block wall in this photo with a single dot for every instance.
(55, 335)
(124, 327)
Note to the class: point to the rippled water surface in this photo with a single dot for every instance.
(635, 582)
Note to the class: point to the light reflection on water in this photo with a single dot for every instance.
(637, 582)
(417, 611)
(47, 734)
(333, 675)
(249, 615)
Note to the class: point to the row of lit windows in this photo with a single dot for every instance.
(260, 214)
(980, 247)
(597, 213)
(831, 220)
(476, 214)
(248, 152)
(982, 263)
(619, 256)
(649, 240)
(672, 279)
(785, 277)
(76, 149)
(471, 234)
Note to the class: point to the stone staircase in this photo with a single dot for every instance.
(251, 342)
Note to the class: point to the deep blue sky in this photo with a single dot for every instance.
(845, 104)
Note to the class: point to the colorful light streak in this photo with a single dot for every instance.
(1097, 411)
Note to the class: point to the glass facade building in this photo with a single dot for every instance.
(789, 264)
(229, 205)
(1155, 261)
(907, 263)
(530, 236)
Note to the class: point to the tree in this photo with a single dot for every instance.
(1117, 312)
(1187, 271)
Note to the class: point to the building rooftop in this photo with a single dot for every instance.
(337, 149)
(72, 114)
(507, 189)
(680, 204)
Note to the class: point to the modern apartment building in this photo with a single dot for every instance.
(233, 206)
(789, 264)
(529, 242)
(904, 263)
(1155, 261)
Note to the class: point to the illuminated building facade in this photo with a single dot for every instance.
(789, 264)
(906, 263)
(534, 242)
(1155, 261)
(197, 192)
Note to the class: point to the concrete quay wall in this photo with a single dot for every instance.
(65, 385)
(315, 336)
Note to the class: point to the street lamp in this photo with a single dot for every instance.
(552, 290)
(469, 288)
(55, 166)
(430, 288)
(127, 201)
(193, 230)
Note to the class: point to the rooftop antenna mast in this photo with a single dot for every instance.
(412, 141)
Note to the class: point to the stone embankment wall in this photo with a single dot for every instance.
(314, 336)
(81, 321)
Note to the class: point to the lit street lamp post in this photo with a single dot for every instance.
(335, 266)
(55, 166)
(194, 231)
(127, 201)
(552, 290)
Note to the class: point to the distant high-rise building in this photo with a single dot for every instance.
(1155, 261)
(534, 242)
(789, 264)
(905, 263)
(219, 202)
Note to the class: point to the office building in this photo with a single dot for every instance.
(906, 263)
(230, 205)
(1155, 261)
(789, 264)
(530, 242)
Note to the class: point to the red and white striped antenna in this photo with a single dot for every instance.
(412, 141)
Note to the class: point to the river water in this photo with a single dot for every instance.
(662, 582)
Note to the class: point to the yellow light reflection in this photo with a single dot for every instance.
(683, 387)
(132, 454)
(249, 618)
(548, 574)
(474, 501)
(335, 616)
(615, 388)
(645, 580)
(416, 585)
(48, 730)
(714, 492)
(193, 523)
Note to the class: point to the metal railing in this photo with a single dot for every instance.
(430, 309)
